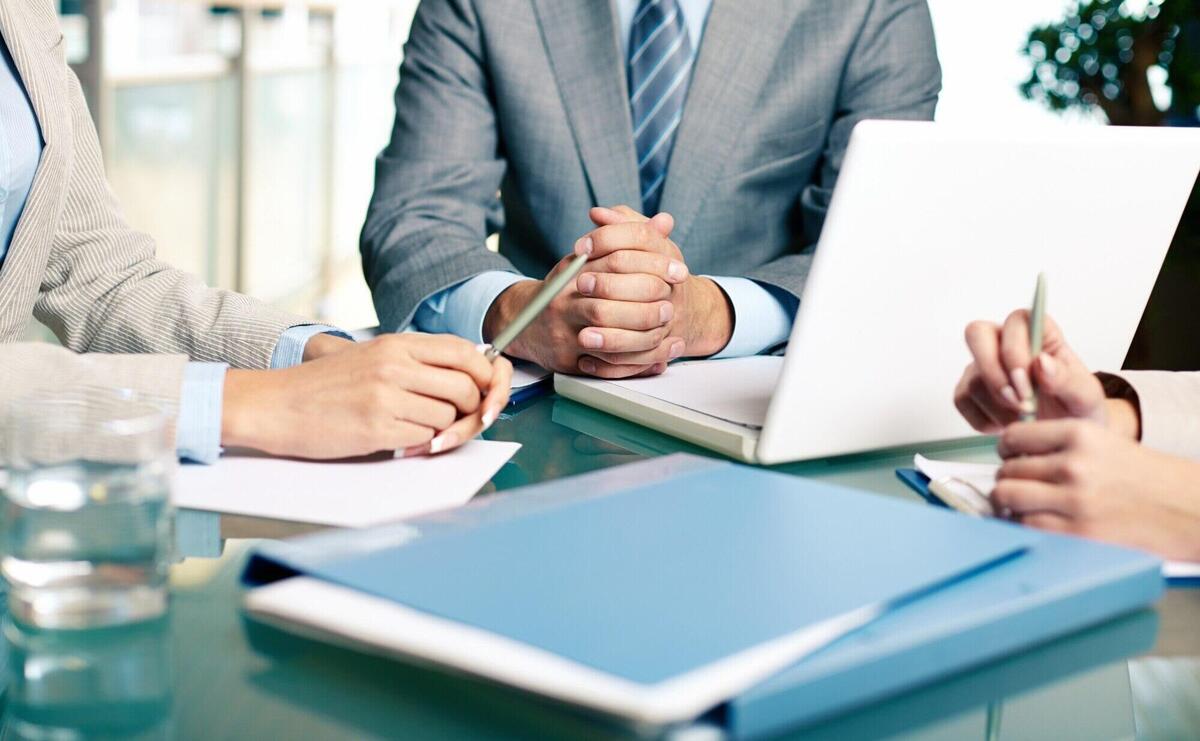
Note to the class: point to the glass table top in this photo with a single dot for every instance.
(204, 671)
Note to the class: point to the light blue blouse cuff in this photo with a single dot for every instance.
(461, 309)
(762, 316)
(290, 349)
(198, 428)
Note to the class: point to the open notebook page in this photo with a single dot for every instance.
(736, 390)
(981, 478)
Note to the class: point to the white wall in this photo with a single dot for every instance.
(980, 48)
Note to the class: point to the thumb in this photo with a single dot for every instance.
(1072, 386)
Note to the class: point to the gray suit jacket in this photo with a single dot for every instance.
(512, 116)
(80, 269)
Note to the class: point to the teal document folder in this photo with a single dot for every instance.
(653, 576)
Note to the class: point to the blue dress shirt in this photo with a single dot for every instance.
(198, 434)
(462, 308)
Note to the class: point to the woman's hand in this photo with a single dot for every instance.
(411, 392)
(1076, 477)
(999, 383)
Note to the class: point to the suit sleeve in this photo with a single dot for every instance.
(892, 72)
(437, 183)
(1170, 410)
(104, 291)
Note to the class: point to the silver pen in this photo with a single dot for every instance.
(533, 309)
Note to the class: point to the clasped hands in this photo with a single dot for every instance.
(635, 308)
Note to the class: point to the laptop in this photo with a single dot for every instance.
(932, 226)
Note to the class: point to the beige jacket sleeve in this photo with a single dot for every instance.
(29, 367)
(1170, 406)
(104, 291)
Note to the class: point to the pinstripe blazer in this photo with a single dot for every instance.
(512, 117)
(76, 265)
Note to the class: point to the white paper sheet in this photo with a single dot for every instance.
(527, 374)
(344, 494)
(736, 390)
(982, 478)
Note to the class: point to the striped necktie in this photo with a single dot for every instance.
(660, 63)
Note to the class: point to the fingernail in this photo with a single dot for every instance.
(1049, 365)
(587, 365)
(676, 270)
(1020, 379)
(591, 340)
(416, 450)
(665, 312)
(584, 246)
(677, 350)
(587, 283)
(489, 418)
(442, 442)
(1010, 395)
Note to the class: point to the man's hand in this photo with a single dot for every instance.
(701, 315)
(1077, 477)
(634, 317)
(1001, 377)
(411, 392)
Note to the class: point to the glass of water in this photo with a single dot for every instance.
(86, 533)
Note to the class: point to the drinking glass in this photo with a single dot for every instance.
(86, 535)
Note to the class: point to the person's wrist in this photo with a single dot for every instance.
(1123, 418)
(506, 307)
(238, 427)
(318, 346)
(709, 317)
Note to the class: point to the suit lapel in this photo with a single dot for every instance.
(741, 41)
(581, 41)
(41, 71)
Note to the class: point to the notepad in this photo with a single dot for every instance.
(736, 390)
(526, 374)
(966, 487)
(341, 493)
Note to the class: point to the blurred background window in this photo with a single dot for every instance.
(242, 135)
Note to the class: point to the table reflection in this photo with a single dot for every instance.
(111, 683)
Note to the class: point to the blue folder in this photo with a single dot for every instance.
(655, 569)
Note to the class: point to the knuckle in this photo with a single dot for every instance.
(465, 392)
(445, 415)
(1074, 470)
(1077, 436)
(595, 313)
